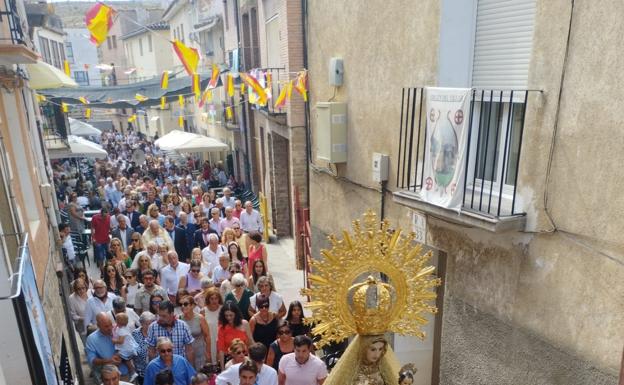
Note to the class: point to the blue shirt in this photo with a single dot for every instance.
(101, 346)
(181, 369)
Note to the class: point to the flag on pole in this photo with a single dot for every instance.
(67, 69)
(99, 20)
(88, 113)
(230, 85)
(215, 76)
(281, 99)
(164, 80)
(181, 100)
(196, 86)
(302, 84)
(64, 107)
(228, 113)
(163, 100)
(188, 56)
(181, 121)
(253, 83)
(132, 118)
(141, 98)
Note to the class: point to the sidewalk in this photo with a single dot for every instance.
(282, 265)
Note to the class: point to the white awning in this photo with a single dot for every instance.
(79, 148)
(80, 128)
(42, 75)
(181, 141)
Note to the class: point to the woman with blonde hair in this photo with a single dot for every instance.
(153, 212)
(212, 305)
(228, 236)
(119, 258)
(238, 352)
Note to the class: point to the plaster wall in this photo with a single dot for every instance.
(85, 54)
(558, 291)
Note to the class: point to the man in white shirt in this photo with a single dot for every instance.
(228, 200)
(170, 274)
(250, 219)
(302, 367)
(67, 244)
(229, 221)
(266, 374)
(212, 252)
(100, 302)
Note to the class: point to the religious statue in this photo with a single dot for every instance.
(370, 282)
(406, 374)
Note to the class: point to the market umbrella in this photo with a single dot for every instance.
(80, 128)
(42, 75)
(79, 148)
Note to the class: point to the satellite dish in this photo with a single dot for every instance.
(138, 156)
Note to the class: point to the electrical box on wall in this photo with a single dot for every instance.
(336, 71)
(380, 167)
(331, 132)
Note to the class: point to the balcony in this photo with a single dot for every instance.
(490, 161)
(275, 79)
(13, 41)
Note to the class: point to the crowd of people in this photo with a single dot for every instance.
(183, 293)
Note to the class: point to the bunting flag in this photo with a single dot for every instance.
(164, 80)
(215, 77)
(289, 89)
(196, 86)
(281, 99)
(302, 85)
(242, 88)
(254, 85)
(99, 20)
(269, 79)
(64, 107)
(163, 100)
(67, 69)
(188, 56)
(206, 98)
(83, 100)
(181, 121)
(88, 113)
(230, 85)
(41, 98)
(228, 113)
(181, 100)
(141, 98)
(132, 118)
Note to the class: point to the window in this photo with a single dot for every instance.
(149, 41)
(56, 58)
(81, 77)
(108, 42)
(45, 47)
(115, 41)
(273, 42)
(70, 52)
(61, 48)
(182, 33)
(141, 46)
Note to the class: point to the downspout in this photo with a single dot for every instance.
(245, 105)
(304, 18)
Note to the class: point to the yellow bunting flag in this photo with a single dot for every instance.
(141, 98)
(281, 99)
(132, 118)
(41, 98)
(302, 85)
(164, 80)
(206, 98)
(188, 56)
(196, 86)
(181, 100)
(66, 66)
(163, 100)
(228, 113)
(289, 89)
(99, 19)
(269, 79)
(88, 113)
(214, 78)
(253, 83)
(64, 107)
(181, 121)
(242, 86)
(230, 85)
(83, 100)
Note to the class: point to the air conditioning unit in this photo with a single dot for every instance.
(331, 132)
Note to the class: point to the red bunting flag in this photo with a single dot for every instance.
(215, 77)
(188, 56)
(206, 98)
(281, 99)
(99, 20)
(253, 83)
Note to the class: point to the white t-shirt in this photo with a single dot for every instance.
(212, 257)
(169, 277)
(275, 302)
(307, 374)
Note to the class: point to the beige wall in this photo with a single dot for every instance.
(566, 287)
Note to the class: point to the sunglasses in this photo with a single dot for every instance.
(129, 276)
(135, 240)
(184, 304)
(283, 332)
(265, 306)
(195, 270)
(166, 350)
(239, 352)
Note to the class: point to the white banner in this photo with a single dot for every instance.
(446, 144)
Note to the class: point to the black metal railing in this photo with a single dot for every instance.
(276, 79)
(9, 13)
(495, 131)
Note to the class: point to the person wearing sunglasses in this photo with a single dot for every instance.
(191, 281)
(199, 330)
(284, 344)
(263, 324)
(181, 369)
(243, 373)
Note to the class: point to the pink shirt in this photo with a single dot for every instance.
(227, 223)
(307, 374)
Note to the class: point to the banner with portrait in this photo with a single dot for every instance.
(445, 148)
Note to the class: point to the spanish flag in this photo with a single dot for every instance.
(281, 99)
(206, 98)
(99, 20)
(132, 118)
(188, 56)
(66, 67)
(253, 83)
(302, 85)
(140, 98)
(215, 77)
(64, 107)
(230, 85)
(164, 80)
(196, 86)
(163, 100)
(88, 113)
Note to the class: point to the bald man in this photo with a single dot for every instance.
(157, 234)
(100, 349)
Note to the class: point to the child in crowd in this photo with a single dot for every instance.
(125, 345)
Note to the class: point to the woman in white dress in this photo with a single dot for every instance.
(214, 300)
(77, 303)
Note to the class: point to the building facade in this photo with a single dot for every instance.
(82, 56)
(531, 288)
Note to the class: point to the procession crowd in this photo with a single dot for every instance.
(183, 293)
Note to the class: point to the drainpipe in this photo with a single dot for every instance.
(304, 17)
(245, 106)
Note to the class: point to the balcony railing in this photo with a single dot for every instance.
(275, 79)
(495, 133)
(10, 15)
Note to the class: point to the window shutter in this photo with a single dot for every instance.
(503, 42)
